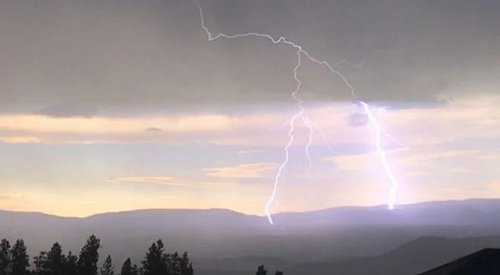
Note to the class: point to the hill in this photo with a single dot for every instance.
(484, 262)
(218, 238)
(409, 259)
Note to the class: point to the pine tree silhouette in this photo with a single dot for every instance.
(127, 267)
(87, 262)
(70, 264)
(20, 259)
(186, 265)
(261, 270)
(40, 262)
(15, 261)
(4, 257)
(55, 260)
(156, 261)
(107, 267)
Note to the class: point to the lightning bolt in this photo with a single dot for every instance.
(301, 112)
(382, 155)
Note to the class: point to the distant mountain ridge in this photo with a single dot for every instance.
(216, 237)
(403, 211)
(472, 211)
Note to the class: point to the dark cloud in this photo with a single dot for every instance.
(70, 109)
(357, 119)
(128, 56)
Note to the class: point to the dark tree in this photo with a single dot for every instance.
(156, 262)
(261, 270)
(189, 270)
(55, 260)
(15, 261)
(127, 268)
(4, 257)
(107, 267)
(175, 264)
(40, 262)
(20, 259)
(70, 264)
(278, 273)
(87, 262)
(137, 271)
(186, 265)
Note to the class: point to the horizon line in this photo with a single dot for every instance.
(245, 214)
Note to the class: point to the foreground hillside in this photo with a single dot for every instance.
(409, 259)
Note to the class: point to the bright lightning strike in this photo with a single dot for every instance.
(382, 155)
(301, 112)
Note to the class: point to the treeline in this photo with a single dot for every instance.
(16, 261)
(262, 271)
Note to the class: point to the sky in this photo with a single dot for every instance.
(119, 105)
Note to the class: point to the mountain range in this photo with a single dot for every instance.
(344, 240)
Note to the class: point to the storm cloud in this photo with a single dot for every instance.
(86, 58)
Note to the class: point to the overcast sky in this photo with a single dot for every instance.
(116, 105)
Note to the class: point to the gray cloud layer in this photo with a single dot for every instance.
(80, 57)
